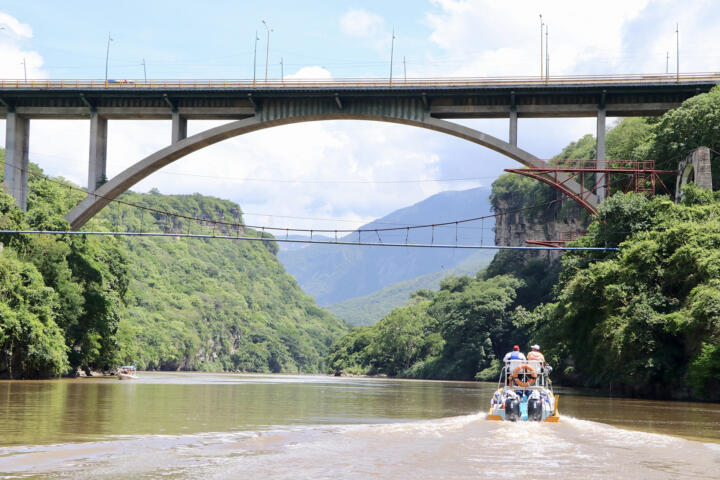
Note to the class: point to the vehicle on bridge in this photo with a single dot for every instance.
(524, 393)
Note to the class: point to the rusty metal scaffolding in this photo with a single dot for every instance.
(563, 238)
(592, 175)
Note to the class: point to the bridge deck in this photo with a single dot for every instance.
(568, 96)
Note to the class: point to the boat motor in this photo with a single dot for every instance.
(534, 408)
(512, 409)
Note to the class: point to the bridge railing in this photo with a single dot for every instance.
(356, 82)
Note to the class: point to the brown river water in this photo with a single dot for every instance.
(193, 425)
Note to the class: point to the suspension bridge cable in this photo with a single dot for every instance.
(283, 240)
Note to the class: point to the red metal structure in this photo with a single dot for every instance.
(591, 175)
(643, 176)
(564, 237)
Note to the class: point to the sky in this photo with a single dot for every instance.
(334, 174)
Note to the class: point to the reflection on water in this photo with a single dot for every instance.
(203, 425)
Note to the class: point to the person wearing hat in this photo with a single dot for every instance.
(535, 354)
(515, 354)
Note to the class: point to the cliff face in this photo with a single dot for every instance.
(514, 229)
(535, 212)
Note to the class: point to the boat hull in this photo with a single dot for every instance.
(548, 413)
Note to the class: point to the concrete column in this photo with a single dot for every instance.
(17, 143)
(179, 127)
(513, 127)
(97, 169)
(602, 190)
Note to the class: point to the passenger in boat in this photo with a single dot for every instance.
(535, 354)
(515, 354)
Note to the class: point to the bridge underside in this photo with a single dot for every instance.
(406, 112)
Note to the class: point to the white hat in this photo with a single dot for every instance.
(535, 347)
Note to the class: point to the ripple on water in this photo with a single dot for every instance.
(454, 448)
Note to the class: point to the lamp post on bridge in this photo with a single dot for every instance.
(25, 68)
(107, 58)
(144, 70)
(267, 52)
(541, 47)
(392, 48)
(547, 56)
(255, 57)
(677, 47)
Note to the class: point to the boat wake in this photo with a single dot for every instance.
(455, 448)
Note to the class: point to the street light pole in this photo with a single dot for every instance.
(107, 58)
(255, 57)
(144, 70)
(541, 47)
(677, 46)
(547, 56)
(392, 48)
(25, 69)
(267, 52)
(282, 70)
(404, 69)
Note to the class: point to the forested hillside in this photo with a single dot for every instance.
(213, 304)
(641, 321)
(69, 302)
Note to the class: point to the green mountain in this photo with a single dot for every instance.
(213, 304)
(368, 309)
(69, 302)
(332, 274)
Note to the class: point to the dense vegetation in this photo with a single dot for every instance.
(368, 309)
(60, 296)
(648, 316)
(213, 304)
(643, 321)
(458, 332)
(71, 302)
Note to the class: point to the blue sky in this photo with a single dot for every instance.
(336, 166)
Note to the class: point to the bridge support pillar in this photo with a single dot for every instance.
(601, 179)
(179, 127)
(97, 168)
(513, 127)
(17, 145)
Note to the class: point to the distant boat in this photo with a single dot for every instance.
(127, 372)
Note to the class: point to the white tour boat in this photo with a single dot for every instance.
(524, 393)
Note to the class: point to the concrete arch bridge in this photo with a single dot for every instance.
(423, 104)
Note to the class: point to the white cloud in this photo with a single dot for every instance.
(359, 23)
(368, 28)
(13, 54)
(13, 25)
(314, 73)
(491, 38)
(318, 170)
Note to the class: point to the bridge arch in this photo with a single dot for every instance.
(285, 115)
